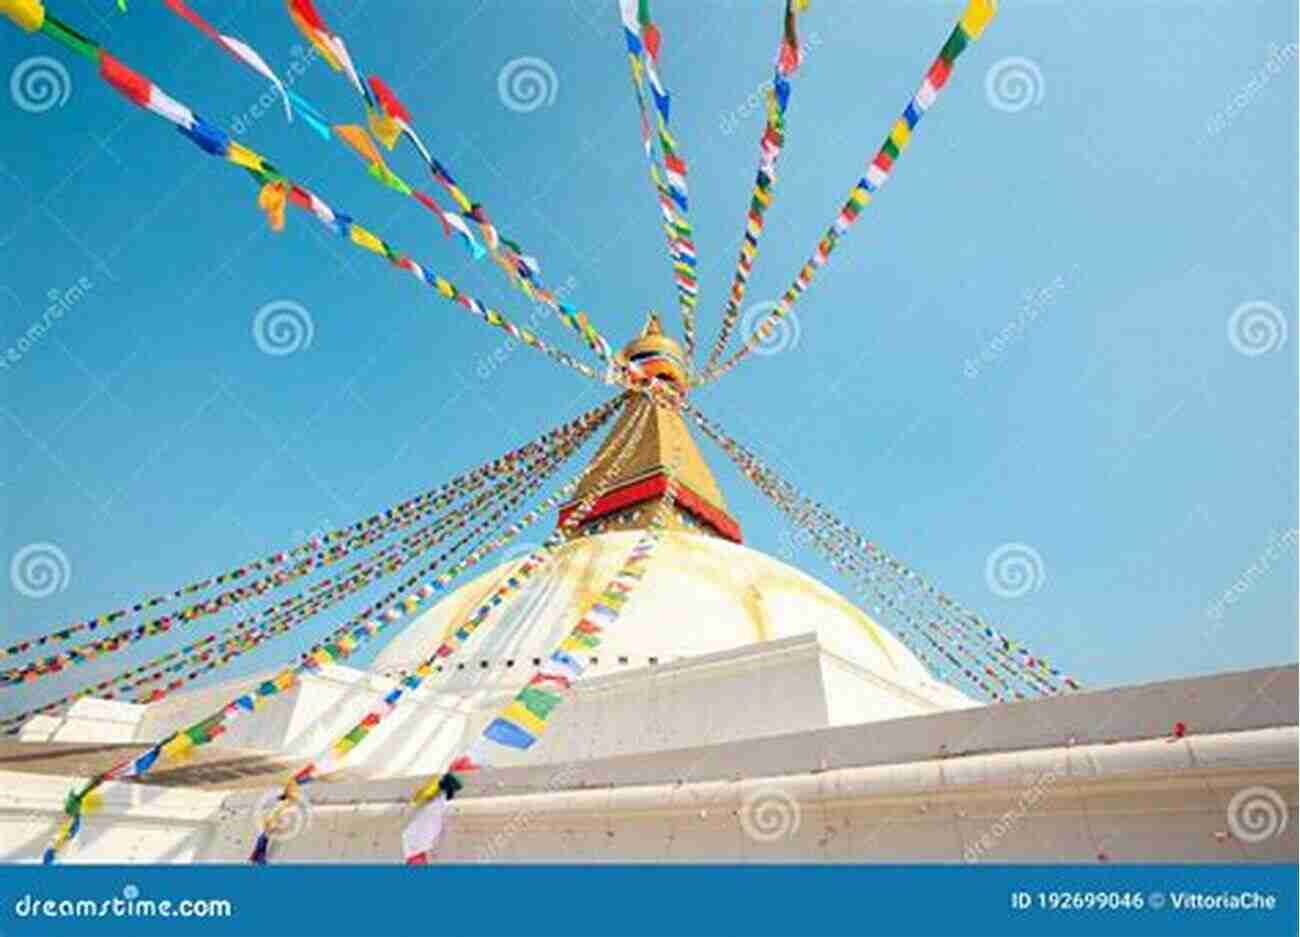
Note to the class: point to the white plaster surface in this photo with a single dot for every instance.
(1020, 782)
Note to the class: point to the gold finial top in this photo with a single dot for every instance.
(656, 355)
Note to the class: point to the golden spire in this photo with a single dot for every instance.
(628, 498)
(657, 356)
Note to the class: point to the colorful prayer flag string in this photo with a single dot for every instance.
(789, 56)
(524, 718)
(276, 188)
(800, 508)
(504, 466)
(239, 50)
(342, 643)
(669, 177)
(970, 26)
(332, 756)
(272, 198)
(218, 649)
(388, 118)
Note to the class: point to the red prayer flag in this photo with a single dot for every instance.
(132, 85)
(388, 101)
(939, 73)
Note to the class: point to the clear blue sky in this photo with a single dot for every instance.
(1111, 426)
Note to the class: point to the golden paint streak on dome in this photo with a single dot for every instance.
(752, 599)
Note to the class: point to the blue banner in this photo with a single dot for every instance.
(606, 900)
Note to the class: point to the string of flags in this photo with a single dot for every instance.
(788, 59)
(974, 19)
(442, 495)
(887, 580)
(553, 447)
(331, 757)
(209, 658)
(936, 624)
(370, 572)
(276, 190)
(522, 721)
(350, 134)
(58, 662)
(388, 119)
(503, 500)
(643, 40)
(888, 600)
(239, 50)
(341, 644)
(967, 623)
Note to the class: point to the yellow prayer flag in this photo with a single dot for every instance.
(363, 238)
(518, 713)
(357, 138)
(458, 196)
(241, 155)
(271, 199)
(319, 42)
(28, 14)
(443, 287)
(178, 749)
(901, 134)
(429, 791)
(385, 129)
(978, 14)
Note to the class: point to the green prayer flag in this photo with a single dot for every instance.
(955, 45)
(537, 701)
(65, 34)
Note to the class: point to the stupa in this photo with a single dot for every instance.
(739, 711)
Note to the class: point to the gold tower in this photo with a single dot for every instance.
(628, 499)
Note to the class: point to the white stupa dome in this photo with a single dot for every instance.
(700, 595)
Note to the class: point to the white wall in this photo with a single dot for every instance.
(1098, 771)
